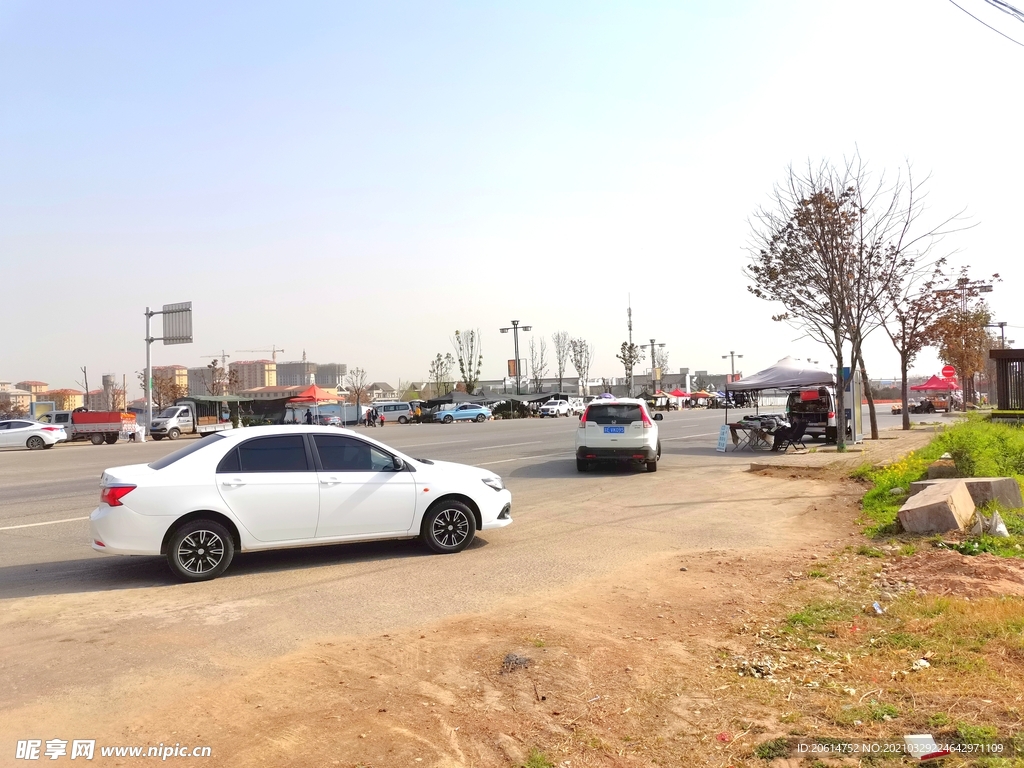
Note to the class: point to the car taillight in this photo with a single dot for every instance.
(646, 419)
(583, 418)
(112, 495)
(831, 414)
(52, 429)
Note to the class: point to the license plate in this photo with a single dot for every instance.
(614, 430)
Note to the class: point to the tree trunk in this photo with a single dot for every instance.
(872, 416)
(904, 394)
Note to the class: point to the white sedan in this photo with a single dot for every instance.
(18, 433)
(292, 486)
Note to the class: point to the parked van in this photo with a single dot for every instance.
(395, 411)
(816, 408)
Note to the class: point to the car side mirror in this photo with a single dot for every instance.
(397, 464)
(658, 417)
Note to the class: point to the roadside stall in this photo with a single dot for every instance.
(810, 387)
(313, 396)
(933, 401)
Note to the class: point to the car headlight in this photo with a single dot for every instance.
(493, 482)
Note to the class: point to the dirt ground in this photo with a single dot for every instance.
(656, 664)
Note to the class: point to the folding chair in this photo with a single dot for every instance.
(794, 436)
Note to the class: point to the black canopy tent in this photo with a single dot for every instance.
(787, 374)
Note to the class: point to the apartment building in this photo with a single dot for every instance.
(34, 388)
(250, 374)
(179, 373)
(331, 375)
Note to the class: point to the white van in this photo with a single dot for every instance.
(394, 412)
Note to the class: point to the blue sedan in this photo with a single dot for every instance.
(464, 412)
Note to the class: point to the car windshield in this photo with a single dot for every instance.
(620, 413)
(181, 453)
(800, 402)
(168, 413)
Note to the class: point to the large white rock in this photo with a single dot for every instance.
(1005, 490)
(942, 506)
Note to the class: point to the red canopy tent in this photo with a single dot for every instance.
(315, 395)
(677, 392)
(935, 384)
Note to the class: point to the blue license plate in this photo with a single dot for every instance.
(615, 430)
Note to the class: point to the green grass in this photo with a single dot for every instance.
(976, 734)
(772, 749)
(938, 720)
(817, 617)
(979, 449)
(870, 552)
(537, 759)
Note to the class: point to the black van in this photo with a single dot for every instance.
(816, 408)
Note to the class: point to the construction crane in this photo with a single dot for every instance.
(273, 352)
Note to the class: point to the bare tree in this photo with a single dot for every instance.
(358, 386)
(629, 355)
(538, 362)
(469, 353)
(582, 355)
(829, 248)
(660, 362)
(440, 374)
(562, 352)
(9, 409)
(165, 388)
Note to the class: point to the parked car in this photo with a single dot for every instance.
(15, 433)
(816, 409)
(288, 486)
(555, 408)
(618, 429)
(464, 412)
(392, 412)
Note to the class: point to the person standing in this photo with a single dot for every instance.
(309, 416)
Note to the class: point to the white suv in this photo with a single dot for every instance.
(555, 408)
(619, 429)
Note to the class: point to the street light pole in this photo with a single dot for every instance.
(652, 345)
(732, 361)
(515, 334)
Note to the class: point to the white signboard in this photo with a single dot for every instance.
(723, 438)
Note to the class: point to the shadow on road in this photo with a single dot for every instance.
(100, 574)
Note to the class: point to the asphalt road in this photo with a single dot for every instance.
(72, 620)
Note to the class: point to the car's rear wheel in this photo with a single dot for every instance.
(35, 442)
(174, 433)
(480, 418)
(448, 526)
(111, 439)
(582, 465)
(448, 419)
(402, 420)
(200, 550)
(96, 439)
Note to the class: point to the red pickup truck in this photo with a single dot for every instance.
(98, 426)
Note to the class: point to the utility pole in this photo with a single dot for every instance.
(629, 324)
(1002, 333)
(85, 376)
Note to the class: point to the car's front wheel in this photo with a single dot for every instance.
(402, 420)
(480, 419)
(200, 550)
(448, 526)
(35, 442)
(448, 419)
(174, 433)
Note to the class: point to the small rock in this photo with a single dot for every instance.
(897, 491)
(514, 661)
(920, 664)
(684, 568)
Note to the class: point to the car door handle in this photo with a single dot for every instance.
(233, 483)
(329, 481)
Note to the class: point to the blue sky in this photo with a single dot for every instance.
(360, 180)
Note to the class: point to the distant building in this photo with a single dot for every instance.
(200, 381)
(178, 372)
(96, 400)
(63, 399)
(14, 397)
(331, 375)
(380, 390)
(295, 373)
(33, 388)
(250, 374)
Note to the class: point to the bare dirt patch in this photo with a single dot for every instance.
(945, 572)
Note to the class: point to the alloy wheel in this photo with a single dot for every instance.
(450, 527)
(200, 552)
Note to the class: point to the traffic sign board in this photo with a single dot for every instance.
(948, 371)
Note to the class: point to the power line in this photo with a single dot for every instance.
(987, 25)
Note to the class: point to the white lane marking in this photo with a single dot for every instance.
(523, 458)
(687, 437)
(507, 445)
(51, 522)
(420, 445)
